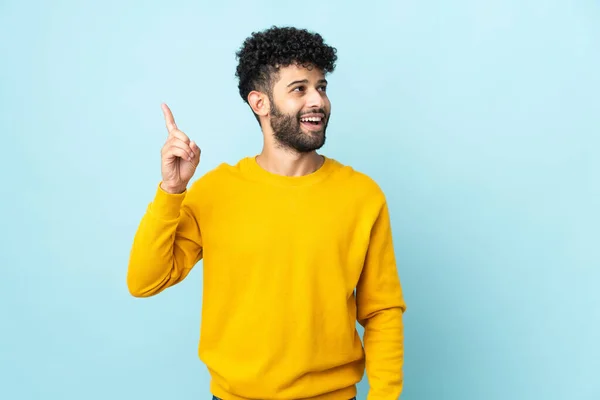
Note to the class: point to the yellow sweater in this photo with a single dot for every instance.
(282, 257)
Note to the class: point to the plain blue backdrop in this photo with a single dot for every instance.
(479, 119)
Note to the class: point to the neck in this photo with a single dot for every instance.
(287, 162)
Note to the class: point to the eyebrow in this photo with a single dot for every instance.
(305, 81)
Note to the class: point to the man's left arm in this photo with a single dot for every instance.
(380, 308)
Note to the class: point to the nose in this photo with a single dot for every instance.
(315, 99)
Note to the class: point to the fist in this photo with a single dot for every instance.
(179, 157)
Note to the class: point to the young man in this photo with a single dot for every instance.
(296, 247)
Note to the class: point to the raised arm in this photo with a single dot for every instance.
(167, 243)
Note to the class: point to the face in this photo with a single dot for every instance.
(300, 109)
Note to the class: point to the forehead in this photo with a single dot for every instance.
(294, 72)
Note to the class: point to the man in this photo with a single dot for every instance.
(296, 247)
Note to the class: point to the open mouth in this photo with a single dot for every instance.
(312, 123)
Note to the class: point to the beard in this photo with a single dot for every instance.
(288, 131)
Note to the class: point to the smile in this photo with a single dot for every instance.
(312, 125)
(312, 122)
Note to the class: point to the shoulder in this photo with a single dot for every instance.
(217, 177)
(358, 181)
(223, 170)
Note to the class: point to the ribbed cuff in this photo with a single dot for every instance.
(166, 205)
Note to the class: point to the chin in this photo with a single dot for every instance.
(320, 132)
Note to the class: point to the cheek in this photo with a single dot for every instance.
(291, 106)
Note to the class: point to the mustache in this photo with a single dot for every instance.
(314, 111)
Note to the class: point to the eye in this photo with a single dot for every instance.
(298, 88)
(323, 88)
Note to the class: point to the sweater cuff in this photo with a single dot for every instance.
(167, 206)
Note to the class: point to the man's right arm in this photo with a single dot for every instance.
(166, 246)
(167, 243)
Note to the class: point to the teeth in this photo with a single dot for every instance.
(314, 119)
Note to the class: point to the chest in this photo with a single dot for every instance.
(296, 229)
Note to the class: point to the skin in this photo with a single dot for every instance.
(180, 157)
(297, 91)
(297, 98)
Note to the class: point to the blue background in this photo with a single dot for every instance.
(480, 120)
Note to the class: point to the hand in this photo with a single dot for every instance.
(180, 157)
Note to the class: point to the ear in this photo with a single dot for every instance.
(259, 102)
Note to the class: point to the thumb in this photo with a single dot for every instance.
(196, 151)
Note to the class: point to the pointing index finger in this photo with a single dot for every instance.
(169, 120)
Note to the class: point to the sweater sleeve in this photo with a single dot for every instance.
(166, 245)
(380, 308)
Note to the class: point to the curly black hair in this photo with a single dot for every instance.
(263, 53)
